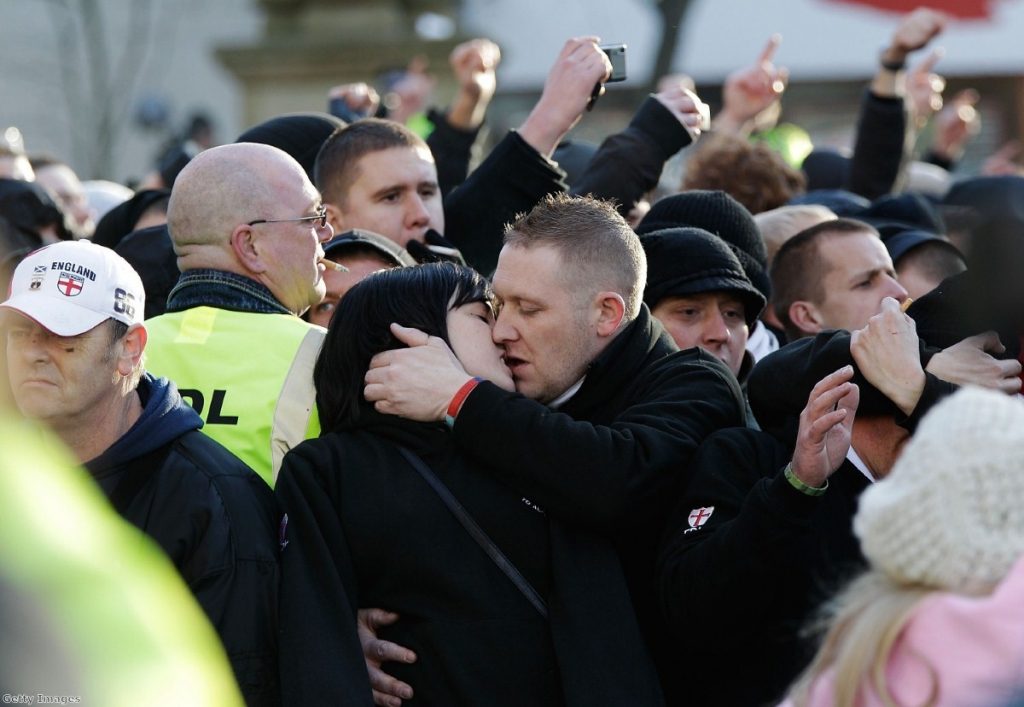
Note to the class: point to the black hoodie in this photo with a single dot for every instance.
(214, 517)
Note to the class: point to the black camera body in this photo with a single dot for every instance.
(616, 54)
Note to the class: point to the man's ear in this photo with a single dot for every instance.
(611, 308)
(335, 218)
(246, 247)
(805, 317)
(133, 344)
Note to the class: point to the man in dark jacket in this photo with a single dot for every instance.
(608, 412)
(75, 345)
(763, 533)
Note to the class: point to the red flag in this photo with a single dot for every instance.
(960, 9)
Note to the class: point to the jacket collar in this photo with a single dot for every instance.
(224, 290)
(616, 367)
(423, 438)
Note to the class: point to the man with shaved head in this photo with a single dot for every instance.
(247, 226)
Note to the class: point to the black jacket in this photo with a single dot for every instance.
(512, 179)
(964, 305)
(365, 529)
(214, 517)
(452, 149)
(737, 590)
(881, 147)
(614, 457)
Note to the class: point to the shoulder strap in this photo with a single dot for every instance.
(477, 533)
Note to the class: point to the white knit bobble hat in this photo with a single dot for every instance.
(951, 513)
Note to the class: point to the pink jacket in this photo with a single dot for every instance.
(974, 644)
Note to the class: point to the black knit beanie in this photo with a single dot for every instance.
(691, 261)
(301, 135)
(720, 214)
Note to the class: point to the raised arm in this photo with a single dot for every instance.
(473, 64)
(884, 138)
(628, 164)
(518, 173)
(752, 91)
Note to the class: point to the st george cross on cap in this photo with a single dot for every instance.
(72, 286)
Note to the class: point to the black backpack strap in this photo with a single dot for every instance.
(477, 533)
(135, 478)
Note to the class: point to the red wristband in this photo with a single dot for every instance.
(459, 398)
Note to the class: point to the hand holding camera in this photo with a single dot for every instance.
(567, 91)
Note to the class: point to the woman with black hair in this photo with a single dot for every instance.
(366, 528)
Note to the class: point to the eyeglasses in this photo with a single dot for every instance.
(319, 221)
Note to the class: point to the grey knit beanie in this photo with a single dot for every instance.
(951, 513)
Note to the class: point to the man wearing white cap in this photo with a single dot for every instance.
(75, 344)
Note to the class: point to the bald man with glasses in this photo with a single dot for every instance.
(248, 228)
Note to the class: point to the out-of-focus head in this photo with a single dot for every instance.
(569, 278)
(839, 201)
(66, 188)
(33, 212)
(826, 168)
(779, 225)
(752, 173)
(379, 176)
(832, 276)
(950, 516)
(927, 179)
(103, 195)
(144, 209)
(449, 301)
(892, 213)
(250, 209)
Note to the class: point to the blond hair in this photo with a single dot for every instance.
(598, 247)
(860, 627)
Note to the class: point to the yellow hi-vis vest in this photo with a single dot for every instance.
(248, 375)
(93, 611)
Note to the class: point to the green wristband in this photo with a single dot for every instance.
(800, 485)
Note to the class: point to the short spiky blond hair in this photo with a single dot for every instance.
(599, 249)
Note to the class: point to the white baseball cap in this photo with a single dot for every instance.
(72, 286)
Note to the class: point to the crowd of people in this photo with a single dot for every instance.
(412, 432)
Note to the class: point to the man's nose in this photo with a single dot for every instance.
(896, 290)
(715, 328)
(417, 214)
(503, 330)
(31, 346)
